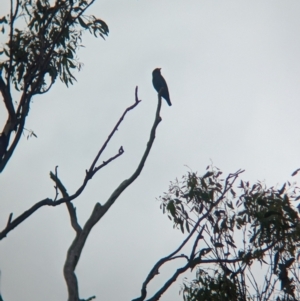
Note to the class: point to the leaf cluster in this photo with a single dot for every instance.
(48, 44)
(43, 37)
(217, 288)
(244, 225)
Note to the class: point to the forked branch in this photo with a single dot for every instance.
(99, 211)
(13, 223)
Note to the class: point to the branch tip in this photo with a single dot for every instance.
(137, 100)
(9, 219)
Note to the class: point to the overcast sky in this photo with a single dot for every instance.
(233, 71)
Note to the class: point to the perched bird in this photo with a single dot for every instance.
(159, 83)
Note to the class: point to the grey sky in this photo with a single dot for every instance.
(233, 71)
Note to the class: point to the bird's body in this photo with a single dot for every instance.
(160, 84)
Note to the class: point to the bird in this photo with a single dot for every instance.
(160, 83)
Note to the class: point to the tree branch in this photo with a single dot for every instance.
(192, 261)
(10, 151)
(168, 283)
(7, 99)
(114, 130)
(70, 206)
(155, 270)
(67, 198)
(99, 211)
(34, 75)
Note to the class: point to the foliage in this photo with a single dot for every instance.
(48, 44)
(256, 228)
(42, 41)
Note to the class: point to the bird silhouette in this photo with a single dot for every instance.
(160, 83)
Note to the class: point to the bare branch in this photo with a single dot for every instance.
(168, 283)
(65, 197)
(99, 211)
(121, 151)
(58, 184)
(114, 130)
(155, 270)
(13, 224)
(70, 206)
(56, 187)
(9, 219)
(73, 217)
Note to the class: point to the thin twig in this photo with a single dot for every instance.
(137, 101)
(56, 187)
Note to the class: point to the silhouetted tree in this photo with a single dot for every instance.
(35, 55)
(33, 58)
(233, 236)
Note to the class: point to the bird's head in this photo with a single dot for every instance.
(156, 71)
